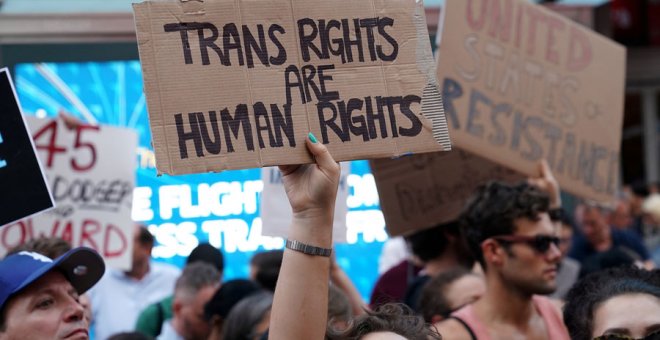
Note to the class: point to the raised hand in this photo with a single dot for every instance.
(312, 188)
(547, 182)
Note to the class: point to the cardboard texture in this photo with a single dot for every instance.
(275, 210)
(521, 83)
(91, 171)
(234, 84)
(23, 187)
(422, 191)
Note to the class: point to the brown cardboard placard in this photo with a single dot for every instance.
(422, 191)
(234, 84)
(521, 83)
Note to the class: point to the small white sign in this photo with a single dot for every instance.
(276, 212)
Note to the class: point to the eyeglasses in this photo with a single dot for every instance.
(652, 336)
(540, 243)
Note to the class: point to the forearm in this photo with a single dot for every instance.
(301, 296)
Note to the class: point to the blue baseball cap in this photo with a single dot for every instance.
(83, 267)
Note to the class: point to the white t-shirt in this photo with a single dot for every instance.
(118, 300)
(168, 332)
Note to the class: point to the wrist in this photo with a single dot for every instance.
(312, 230)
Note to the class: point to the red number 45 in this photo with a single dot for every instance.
(52, 149)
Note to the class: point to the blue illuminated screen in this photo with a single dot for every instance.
(176, 212)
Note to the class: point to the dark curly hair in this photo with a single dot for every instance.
(429, 244)
(433, 299)
(494, 207)
(392, 317)
(596, 288)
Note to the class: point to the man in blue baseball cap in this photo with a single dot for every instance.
(39, 296)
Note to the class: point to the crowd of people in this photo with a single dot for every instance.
(514, 265)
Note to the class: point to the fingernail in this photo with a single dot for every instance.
(312, 138)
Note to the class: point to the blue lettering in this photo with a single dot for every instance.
(451, 90)
(499, 137)
(473, 113)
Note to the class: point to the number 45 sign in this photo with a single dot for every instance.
(91, 174)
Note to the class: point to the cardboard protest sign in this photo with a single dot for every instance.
(521, 83)
(422, 191)
(239, 84)
(23, 187)
(276, 212)
(91, 172)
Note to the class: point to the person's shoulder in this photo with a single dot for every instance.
(165, 269)
(571, 265)
(452, 329)
(626, 236)
(110, 279)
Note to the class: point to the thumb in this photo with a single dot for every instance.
(544, 169)
(321, 154)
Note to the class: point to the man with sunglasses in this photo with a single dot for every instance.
(510, 232)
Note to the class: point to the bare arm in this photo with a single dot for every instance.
(300, 305)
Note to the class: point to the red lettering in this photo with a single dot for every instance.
(551, 54)
(534, 16)
(579, 51)
(519, 29)
(107, 252)
(501, 20)
(22, 228)
(476, 23)
(87, 236)
(67, 233)
(51, 148)
(79, 144)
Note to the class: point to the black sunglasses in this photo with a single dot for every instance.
(652, 336)
(540, 243)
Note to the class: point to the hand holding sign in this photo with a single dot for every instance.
(547, 182)
(311, 189)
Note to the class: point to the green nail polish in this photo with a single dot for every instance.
(312, 138)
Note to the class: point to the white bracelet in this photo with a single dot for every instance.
(307, 249)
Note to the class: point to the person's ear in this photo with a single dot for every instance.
(177, 306)
(493, 253)
(436, 318)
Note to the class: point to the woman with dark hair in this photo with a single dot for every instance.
(300, 304)
(392, 321)
(249, 319)
(618, 303)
